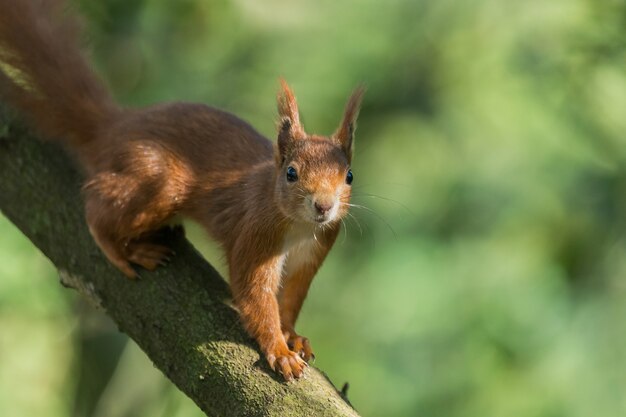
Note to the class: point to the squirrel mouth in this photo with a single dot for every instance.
(321, 219)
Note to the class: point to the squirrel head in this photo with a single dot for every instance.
(313, 181)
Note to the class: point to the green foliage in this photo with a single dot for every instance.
(485, 276)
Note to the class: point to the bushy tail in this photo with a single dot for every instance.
(44, 74)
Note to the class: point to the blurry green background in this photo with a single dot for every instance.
(486, 276)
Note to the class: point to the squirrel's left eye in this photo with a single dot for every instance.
(292, 174)
(349, 177)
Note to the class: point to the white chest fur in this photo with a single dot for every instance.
(299, 248)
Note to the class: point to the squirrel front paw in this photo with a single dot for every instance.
(286, 362)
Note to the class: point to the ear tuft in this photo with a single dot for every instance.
(289, 127)
(287, 105)
(345, 133)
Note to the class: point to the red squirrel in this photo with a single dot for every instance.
(274, 208)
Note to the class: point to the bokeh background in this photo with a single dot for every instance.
(486, 275)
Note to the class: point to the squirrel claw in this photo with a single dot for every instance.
(165, 261)
(271, 360)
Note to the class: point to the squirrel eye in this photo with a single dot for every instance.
(349, 177)
(292, 174)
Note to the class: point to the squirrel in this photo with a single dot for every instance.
(274, 208)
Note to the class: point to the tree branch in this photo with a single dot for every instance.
(179, 315)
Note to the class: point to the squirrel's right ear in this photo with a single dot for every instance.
(289, 127)
(344, 136)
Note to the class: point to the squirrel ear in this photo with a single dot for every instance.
(287, 105)
(345, 134)
(289, 127)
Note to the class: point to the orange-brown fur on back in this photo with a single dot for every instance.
(274, 209)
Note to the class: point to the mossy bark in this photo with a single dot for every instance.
(179, 315)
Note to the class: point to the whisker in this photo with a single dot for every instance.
(381, 184)
(345, 231)
(404, 206)
(357, 223)
(395, 235)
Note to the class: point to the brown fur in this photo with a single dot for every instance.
(146, 166)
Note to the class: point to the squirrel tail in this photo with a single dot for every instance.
(44, 75)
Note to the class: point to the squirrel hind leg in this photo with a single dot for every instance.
(130, 232)
(128, 214)
(114, 253)
(148, 251)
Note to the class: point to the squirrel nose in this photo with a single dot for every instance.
(323, 208)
